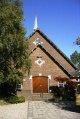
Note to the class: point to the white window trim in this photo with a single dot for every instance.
(30, 77)
(37, 42)
(39, 62)
(18, 88)
(49, 77)
(60, 84)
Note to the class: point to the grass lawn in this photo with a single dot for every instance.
(2, 102)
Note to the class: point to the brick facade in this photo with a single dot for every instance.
(55, 63)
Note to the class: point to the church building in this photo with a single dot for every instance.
(48, 64)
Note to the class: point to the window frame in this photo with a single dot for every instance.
(37, 41)
(19, 87)
(60, 84)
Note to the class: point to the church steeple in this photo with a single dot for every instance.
(35, 24)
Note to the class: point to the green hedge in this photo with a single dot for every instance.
(15, 99)
(21, 99)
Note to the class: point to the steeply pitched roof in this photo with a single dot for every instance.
(54, 46)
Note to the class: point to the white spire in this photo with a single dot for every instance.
(35, 23)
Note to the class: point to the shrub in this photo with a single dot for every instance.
(15, 99)
(21, 99)
(12, 99)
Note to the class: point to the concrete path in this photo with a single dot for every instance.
(45, 110)
(36, 110)
(14, 111)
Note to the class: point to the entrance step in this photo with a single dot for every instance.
(26, 94)
(35, 96)
(42, 96)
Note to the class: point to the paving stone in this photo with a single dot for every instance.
(36, 110)
(45, 110)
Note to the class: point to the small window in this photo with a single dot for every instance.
(39, 61)
(19, 87)
(60, 84)
(37, 41)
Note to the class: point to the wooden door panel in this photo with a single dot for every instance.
(36, 84)
(40, 84)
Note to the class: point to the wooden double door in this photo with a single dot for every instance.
(40, 84)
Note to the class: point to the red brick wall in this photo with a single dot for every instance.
(49, 67)
(51, 50)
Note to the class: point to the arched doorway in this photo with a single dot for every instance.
(40, 84)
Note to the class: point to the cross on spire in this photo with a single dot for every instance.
(35, 24)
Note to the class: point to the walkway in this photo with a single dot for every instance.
(45, 110)
(36, 110)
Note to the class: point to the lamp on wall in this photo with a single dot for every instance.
(30, 77)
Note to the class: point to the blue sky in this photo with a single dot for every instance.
(58, 19)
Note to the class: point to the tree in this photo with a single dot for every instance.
(14, 50)
(75, 58)
(77, 42)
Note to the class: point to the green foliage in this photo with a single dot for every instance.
(55, 90)
(66, 93)
(78, 41)
(75, 58)
(69, 92)
(21, 99)
(15, 99)
(14, 51)
(3, 102)
(1, 76)
(78, 89)
(6, 89)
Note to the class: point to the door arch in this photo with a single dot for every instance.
(40, 84)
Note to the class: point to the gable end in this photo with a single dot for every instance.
(54, 46)
(53, 59)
